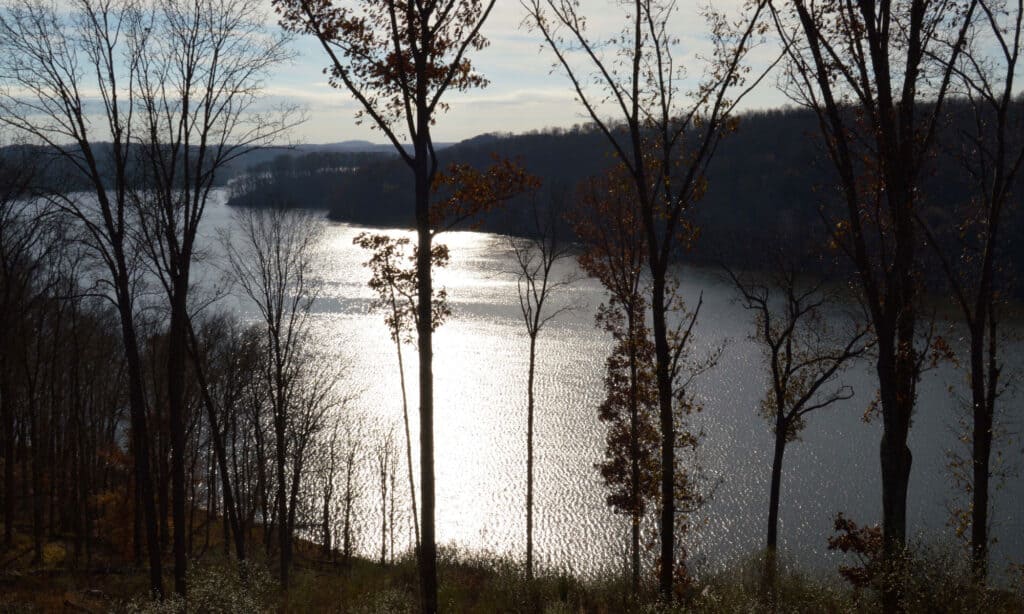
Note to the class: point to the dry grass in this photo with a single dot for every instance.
(469, 584)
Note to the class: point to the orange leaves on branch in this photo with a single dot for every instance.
(865, 543)
(394, 55)
(394, 280)
(606, 220)
(466, 192)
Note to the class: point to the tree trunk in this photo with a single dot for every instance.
(634, 452)
(408, 438)
(529, 457)
(7, 427)
(428, 560)
(284, 540)
(35, 464)
(140, 438)
(327, 526)
(667, 422)
(346, 535)
(771, 560)
(896, 460)
(383, 508)
(176, 421)
(981, 455)
(232, 512)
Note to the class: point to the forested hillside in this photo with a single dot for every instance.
(767, 185)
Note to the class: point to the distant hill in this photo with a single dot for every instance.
(61, 173)
(768, 186)
(763, 181)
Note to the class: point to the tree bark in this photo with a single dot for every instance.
(667, 421)
(771, 560)
(981, 453)
(140, 439)
(284, 541)
(529, 457)
(176, 421)
(634, 451)
(408, 437)
(428, 560)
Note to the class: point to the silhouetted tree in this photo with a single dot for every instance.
(393, 278)
(213, 359)
(615, 253)
(18, 246)
(196, 82)
(536, 257)
(270, 260)
(48, 61)
(664, 139)
(991, 152)
(866, 70)
(399, 59)
(805, 354)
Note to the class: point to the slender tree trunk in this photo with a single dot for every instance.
(667, 421)
(981, 454)
(232, 512)
(346, 535)
(428, 560)
(771, 559)
(328, 549)
(176, 420)
(383, 508)
(35, 464)
(408, 438)
(634, 452)
(293, 500)
(7, 426)
(529, 456)
(140, 437)
(282, 498)
(137, 522)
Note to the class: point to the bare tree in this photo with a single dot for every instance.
(198, 80)
(18, 244)
(805, 355)
(864, 69)
(215, 361)
(399, 59)
(991, 152)
(384, 453)
(175, 84)
(536, 257)
(271, 262)
(49, 63)
(665, 140)
(352, 453)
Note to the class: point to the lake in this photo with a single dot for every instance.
(480, 373)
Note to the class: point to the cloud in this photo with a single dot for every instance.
(525, 91)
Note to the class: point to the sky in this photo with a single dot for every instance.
(525, 93)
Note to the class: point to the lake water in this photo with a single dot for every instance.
(480, 381)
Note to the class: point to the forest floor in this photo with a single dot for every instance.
(468, 584)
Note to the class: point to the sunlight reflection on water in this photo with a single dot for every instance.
(480, 381)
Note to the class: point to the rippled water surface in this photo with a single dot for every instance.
(480, 382)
